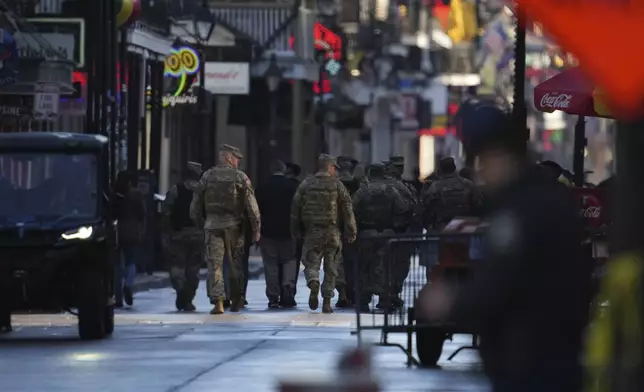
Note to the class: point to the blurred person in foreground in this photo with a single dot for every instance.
(227, 197)
(182, 239)
(274, 198)
(529, 298)
(129, 211)
(320, 205)
(345, 279)
(293, 172)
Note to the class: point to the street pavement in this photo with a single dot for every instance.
(156, 348)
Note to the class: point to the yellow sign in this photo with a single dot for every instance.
(181, 64)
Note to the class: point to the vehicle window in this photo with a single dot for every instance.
(47, 186)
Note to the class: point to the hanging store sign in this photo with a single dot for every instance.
(180, 72)
(50, 28)
(46, 102)
(8, 59)
(50, 47)
(228, 78)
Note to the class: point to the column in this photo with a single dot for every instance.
(297, 128)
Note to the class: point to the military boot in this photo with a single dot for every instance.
(343, 301)
(326, 306)
(180, 302)
(237, 304)
(219, 307)
(313, 297)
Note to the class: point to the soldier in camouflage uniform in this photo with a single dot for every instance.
(227, 197)
(402, 258)
(183, 240)
(397, 169)
(320, 204)
(379, 211)
(448, 197)
(345, 278)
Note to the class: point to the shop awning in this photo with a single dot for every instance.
(571, 92)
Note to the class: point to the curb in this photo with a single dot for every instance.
(162, 282)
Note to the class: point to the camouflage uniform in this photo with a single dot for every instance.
(345, 278)
(227, 197)
(402, 258)
(379, 210)
(183, 240)
(320, 204)
(448, 197)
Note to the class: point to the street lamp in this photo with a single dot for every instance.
(273, 78)
(203, 25)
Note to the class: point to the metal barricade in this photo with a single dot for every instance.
(395, 268)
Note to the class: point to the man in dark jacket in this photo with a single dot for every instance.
(278, 248)
(293, 172)
(529, 298)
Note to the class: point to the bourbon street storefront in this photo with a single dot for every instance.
(32, 78)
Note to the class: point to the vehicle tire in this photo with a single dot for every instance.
(109, 319)
(429, 345)
(92, 304)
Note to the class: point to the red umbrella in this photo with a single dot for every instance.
(571, 92)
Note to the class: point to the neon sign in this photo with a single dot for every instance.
(330, 43)
(182, 65)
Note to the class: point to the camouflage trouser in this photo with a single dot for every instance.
(185, 253)
(228, 242)
(371, 262)
(319, 244)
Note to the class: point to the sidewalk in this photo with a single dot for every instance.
(161, 279)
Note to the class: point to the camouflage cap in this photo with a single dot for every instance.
(397, 160)
(327, 160)
(232, 149)
(194, 167)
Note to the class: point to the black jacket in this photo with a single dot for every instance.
(529, 298)
(274, 198)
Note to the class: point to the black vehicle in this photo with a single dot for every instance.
(55, 234)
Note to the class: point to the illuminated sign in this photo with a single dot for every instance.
(327, 41)
(181, 67)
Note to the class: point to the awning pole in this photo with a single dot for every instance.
(519, 111)
(578, 151)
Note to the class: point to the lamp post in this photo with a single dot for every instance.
(273, 78)
(203, 24)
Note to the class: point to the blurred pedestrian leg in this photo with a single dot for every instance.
(124, 274)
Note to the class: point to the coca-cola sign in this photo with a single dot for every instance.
(556, 101)
(591, 212)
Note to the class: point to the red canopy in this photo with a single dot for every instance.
(571, 92)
